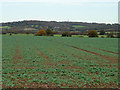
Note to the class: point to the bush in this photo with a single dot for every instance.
(118, 35)
(41, 33)
(110, 35)
(56, 32)
(27, 32)
(102, 32)
(81, 36)
(4, 33)
(66, 34)
(102, 37)
(92, 33)
(49, 32)
(74, 33)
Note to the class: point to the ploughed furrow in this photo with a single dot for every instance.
(107, 51)
(111, 59)
(43, 55)
(17, 56)
(97, 54)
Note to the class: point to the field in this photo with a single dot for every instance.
(30, 29)
(78, 26)
(4, 27)
(59, 62)
(56, 35)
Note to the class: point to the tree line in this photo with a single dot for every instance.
(59, 26)
(91, 33)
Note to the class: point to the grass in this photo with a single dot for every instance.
(68, 62)
(5, 27)
(58, 35)
(85, 36)
(30, 29)
(78, 26)
(18, 34)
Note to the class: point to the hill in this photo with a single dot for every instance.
(33, 26)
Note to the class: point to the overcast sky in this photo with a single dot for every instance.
(101, 11)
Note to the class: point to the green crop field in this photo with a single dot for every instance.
(79, 26)
(59, 62)
(4, 27)
(30, 29)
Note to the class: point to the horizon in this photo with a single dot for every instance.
(57, 21)
(54, 10)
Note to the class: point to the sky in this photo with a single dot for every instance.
(99, 11)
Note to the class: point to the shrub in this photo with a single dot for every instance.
(102, 32)
(27, 32)
(118, 35)
(110, 35)
(49, 32)
(56, 32)
(102, 37)
(92, 33)
(4, 33)
(81, 36)
(14, 33)
(74, 33)
(66, 34)
(41, 33)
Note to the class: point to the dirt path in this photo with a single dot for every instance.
(107, 51)
(89, 51)
(43, 55)
(17, 56)
(111, 59)
(97, 54)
